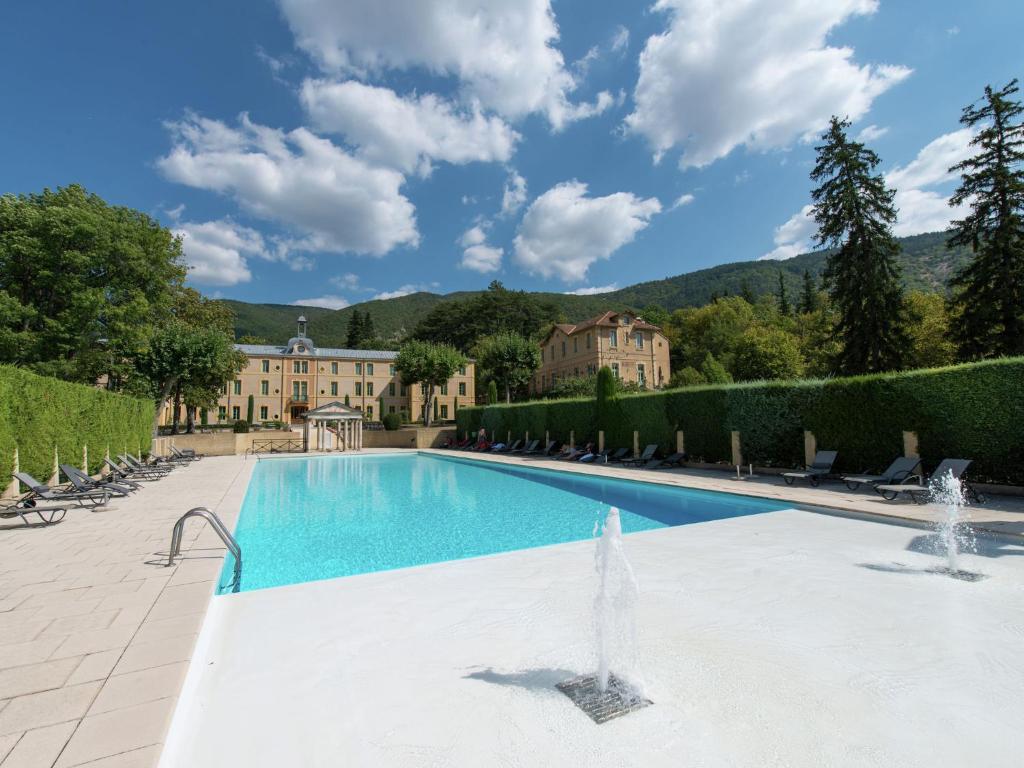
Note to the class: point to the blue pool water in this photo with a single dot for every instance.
(319, 518)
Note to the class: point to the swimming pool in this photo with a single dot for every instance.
(306, 519)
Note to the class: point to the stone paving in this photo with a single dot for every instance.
(96, 633)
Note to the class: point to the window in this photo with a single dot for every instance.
(334, 388)
(588, 341)
(224, 389)
(300, 366)
(238, 386)
(369, 389)
(359, 369)
(444, 411)
(391, 389)
(391, 409)
(264, 387)
(641, 375)
(236, 412)
(392, 371)
(625, 319)
(401, 390)
(265, 366)
(563, 349)
(639, 340)
(591, 369)
(462, 387)
(575, 346)
(222, 412)
(462, 371)
(613, 338)
(369, 411)
(369, 369)
(615, 370)
(359, 388)
(263, 413)
(334, 369)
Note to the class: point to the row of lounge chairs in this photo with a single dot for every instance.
(49, 504)
(904, 476)
(647, 459)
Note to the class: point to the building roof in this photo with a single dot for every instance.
(604, 320)
(270, 350)
(333, 410)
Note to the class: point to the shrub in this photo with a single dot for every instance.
(973, 411)
(38, 413)
(241, 427)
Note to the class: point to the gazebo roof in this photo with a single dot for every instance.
(333, 411)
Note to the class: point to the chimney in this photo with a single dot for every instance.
(302, 326)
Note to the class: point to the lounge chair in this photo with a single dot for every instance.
(672, 460)
(37, 490)
(511, 448)
(128, 473)
(900, 469)
(188, 454)
(47, 515)
(82, 482)
(136, 464)
(821, 466)
(617, 455)
(596, 458)
(554, 447)
(643, 458)
(531, 448)
(525, 446)
(920, 490)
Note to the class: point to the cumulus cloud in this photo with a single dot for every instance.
(514, 194)
(405, 290)
(350, 281)
(325, 302)
(503, 52)
(594, 290)
(407, 133)
(563, 231)
(758, 73)
(871, 132)
(921, 206)
(333, 201)
(216, 251)
(476, 254)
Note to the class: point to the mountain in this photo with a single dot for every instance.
(926, 262)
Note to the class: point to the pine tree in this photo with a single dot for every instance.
(809, 294)
(492, 392)
(355, 330)
(784, 306)
(369, 333)
(988, 301)
(854, 212)
(745, 293)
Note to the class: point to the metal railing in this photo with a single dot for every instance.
(219, 529)
(286, 445)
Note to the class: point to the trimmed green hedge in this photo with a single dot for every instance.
(38, 413)
(973, 411)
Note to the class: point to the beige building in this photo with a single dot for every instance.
(286, 381)
(636, 351)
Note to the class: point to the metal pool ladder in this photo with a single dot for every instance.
(218, 527)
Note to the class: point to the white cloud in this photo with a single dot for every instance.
(871, 132)
(326, 302)
(563, 231)
(333, 201)
(407, 133)
(482, 258)
(405, 290)
(349, 281)
(594, 290)
(514, 194)
(620, 40)
(758, 73)
(472, 236)
(216, 251)
(921, 208)
(503, 52)
(684, 199)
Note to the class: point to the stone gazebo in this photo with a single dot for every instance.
(348, 422)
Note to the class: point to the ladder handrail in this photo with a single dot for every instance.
(219, 529)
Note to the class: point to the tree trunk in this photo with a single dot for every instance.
(164, 394)
(190, 419)
(176, 411)
(508, 393)
(427, 412)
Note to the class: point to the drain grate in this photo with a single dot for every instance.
(961, 575)
(620, 698)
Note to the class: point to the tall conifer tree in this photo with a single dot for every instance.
(854, 212)
(784, 306)
(355, 330)
(809, 294)
(988, 300)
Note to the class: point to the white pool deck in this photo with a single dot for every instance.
(782, 639)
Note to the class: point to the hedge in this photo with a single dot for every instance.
(38, 413)
(973, 411)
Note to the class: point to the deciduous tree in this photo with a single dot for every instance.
(428, 364)
(508, 359)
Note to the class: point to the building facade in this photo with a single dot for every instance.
(286, 381)
(636, 351)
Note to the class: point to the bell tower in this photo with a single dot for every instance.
(302, 326)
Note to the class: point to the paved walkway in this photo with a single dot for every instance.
(95, 633)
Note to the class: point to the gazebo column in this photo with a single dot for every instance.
(360, 434)
(305, 436)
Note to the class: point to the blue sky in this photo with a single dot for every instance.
(331, 151)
